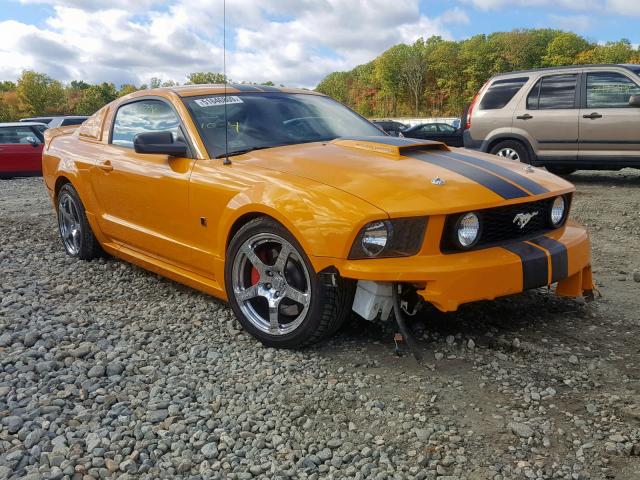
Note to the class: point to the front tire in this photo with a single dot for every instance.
(75, 232)
(274, 291)
(511, 150)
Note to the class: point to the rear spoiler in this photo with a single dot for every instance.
(394, 146)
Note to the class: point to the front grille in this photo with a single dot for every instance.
(497, 225)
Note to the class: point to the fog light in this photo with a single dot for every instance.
(468, 230)
(557, 211)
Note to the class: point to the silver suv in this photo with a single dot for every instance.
(563, 118)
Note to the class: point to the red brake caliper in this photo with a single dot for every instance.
(255, 275)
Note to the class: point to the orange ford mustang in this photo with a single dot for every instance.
(296, 210)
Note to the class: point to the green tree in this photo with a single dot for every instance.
(7, 86)
(335, 85)
(78, 85)
(199, 78)
(564, 49)
(413, 71)
(39, 94)
(126, 89)
(95, 97)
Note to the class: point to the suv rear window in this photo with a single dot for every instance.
(501, 92)
(553, 92)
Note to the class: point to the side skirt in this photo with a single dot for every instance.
(177, 274)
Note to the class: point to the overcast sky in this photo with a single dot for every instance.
(293, 42)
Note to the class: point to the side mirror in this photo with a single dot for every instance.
(159, 143)
(634, 100)
(33, 141)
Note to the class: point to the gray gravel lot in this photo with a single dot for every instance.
(109, 371)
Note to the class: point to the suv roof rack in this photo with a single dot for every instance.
(563, 67)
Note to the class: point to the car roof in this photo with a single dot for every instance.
(22, 124)
(233, 88)
(562, 68)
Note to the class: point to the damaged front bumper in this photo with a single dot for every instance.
(450, 280)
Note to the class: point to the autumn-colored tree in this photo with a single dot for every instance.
(39, 94)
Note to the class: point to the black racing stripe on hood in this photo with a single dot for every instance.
(559, 257)
(494, 183)
(524, 182)
(535, 266)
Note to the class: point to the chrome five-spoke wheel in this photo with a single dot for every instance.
(271, 284)
(69, 223)
(275, 291)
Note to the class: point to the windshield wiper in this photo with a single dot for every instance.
(247, 150)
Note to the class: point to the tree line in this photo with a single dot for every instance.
(37, 94)
(437, 77)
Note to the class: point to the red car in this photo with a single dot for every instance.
(21, 149)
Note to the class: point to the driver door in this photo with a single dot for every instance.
(144, 197)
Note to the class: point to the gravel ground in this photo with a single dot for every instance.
(109, 371)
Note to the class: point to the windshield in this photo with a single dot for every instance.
(273, 119)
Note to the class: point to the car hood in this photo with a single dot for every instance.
(407, 177)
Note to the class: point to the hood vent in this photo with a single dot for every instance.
(392, 146)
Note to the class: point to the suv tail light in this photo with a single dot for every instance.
(473, 104)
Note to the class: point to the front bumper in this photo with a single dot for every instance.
(450, 280)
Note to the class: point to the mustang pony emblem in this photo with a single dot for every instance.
(522, 219)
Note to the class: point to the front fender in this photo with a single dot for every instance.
(323, 219)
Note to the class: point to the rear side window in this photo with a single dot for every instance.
(553, 92)
(143, 117)
(501, 92)
(609, 90)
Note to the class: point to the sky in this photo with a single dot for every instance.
(290, 42)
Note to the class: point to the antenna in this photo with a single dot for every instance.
(227, 160)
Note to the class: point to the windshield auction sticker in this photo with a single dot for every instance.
(219, 100)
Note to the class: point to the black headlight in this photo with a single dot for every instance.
(398, 237)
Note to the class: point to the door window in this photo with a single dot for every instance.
(17, 135)
(430, 128)
(609, 90)
(553, 92)
(143, 117)
(445, 128)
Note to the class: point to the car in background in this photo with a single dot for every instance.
(21, 149)
(58, 121)
(391, 127)
(439, 132)
(581, 117)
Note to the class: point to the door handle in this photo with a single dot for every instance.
(106, 166)
(592, 116)
(526, 116)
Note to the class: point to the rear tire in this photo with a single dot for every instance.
(511, 150)
(560, 170)
(75, 232)
(281, 301)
